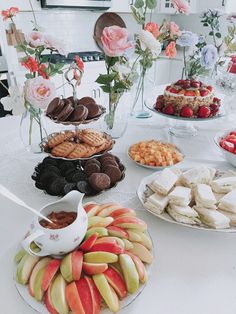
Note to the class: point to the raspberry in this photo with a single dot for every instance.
(204, 112)
(186, 112)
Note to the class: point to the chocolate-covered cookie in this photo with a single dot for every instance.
(99, 181)
(109, 162)
(91, 168)
(80, 113)
(56, 186)
(55, 107)
(50, 168)
(83, 187)
(50, 161)
(92, 161)
(74, 102)
(114, 173)
(68, 187)
(86, 100)
(106, 155)
(47, 177)
(66, 111)
(78, 176)
(93, 110)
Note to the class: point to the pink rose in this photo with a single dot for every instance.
(115, 41)
(55, 44)
(39, 92)
(174, 29)
(152, 28)
(35, 39)
(171, 50)
(181, 6)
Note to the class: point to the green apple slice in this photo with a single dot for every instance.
(130, 273)
(41, 264)
(25, 267)
(58, 295)
(66, 268)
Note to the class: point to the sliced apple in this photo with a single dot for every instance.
(130, 223)
(38, 291)
(107, 292)
(93, 268)
(50, 271)
(100, 257)
(112, 247)
(117, 240)
(117, 232)
(58, 295)
(116, 281)
(41, 264)
(139, 267)
(128, 244)
(85, 295)
(25, 268)
(102, 232)
(91, 209)
(87, 244)
(66, 268)
(130, 273)
(123, 211)
(48, 301)
(145, 240)
(117, 267)
(99, 221)
(77, 262)
(19, 255)
(133, 236)
(96, 297)
(106, 211)
(142, 252)
(73, 299)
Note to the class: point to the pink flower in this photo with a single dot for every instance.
(115, 41)
(39, 92)
(9, 13)
(174, 29)
(152, 28)
(171, 50)
(181, 6)
(55, 44)
(35, 39)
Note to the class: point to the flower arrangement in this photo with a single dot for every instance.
(9, 13)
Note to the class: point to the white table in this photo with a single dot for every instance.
(194, 271)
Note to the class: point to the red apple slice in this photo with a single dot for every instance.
(87, 244)
(77, 262)
(91, 209)
(117, 232)
(123, 211)
(116, 281)
(130, 223)
(73, 299)
(50, 271)
(96, 297)
(93, 268)
(48, 302)
(139, 267)
(85, 295)
(107, 247)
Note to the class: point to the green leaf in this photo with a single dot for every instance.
(218, 35)
(119, 86)
(30, 51)
(105, 78)
(151, 4)
(138, 4)
(105, 88)
(29, 76)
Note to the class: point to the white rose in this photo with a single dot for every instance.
(35, 39)
(148, 41)
(55, 44)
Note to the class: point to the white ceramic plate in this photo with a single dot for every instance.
(143, 192)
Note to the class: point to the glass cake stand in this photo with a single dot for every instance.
(184, 126)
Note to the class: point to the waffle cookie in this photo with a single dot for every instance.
(64, 149)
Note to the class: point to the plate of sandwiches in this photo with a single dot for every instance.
(201, 197)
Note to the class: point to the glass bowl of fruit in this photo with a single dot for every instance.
(226, 141)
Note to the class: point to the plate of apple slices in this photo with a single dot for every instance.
(106, 273)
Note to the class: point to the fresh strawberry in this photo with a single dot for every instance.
(210, 88)
(217, 100)
(158, 105)
(173, 90)
(180, 82)
(168, 109)
(228, 146)
(186, 84)
(204, 92)
(233, 133)
(186, 112)
(195, 84)
(214, 109)
(190, 93)
(168, 87)
(204, 112)
(231, 140)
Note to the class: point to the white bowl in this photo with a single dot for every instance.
(230, 157)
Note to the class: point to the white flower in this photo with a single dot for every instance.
(15, 100)
(39, 92)
(35, 39)
(53, 43)
(148, 41)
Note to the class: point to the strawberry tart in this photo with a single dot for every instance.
(188, 99)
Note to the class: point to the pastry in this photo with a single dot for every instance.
(66, 111)
(180, 196)
(92, 138)
(99, 181)
(188, 99)
(164, 182)
(224, 185)
(86, 100)
(156, 203)
(80, 113)
(204, 196)
(59, 138)
(212, 218)
(113, 173)
(93, 110)
(185, 215)
(64, 149)
(55, 107)
(228, 202)
(79, 151)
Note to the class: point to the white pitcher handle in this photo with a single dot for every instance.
(27, 242)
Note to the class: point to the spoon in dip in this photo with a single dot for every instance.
(5, 192)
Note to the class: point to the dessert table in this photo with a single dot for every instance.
(193, 271)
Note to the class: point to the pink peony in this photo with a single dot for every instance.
(171, 50)
(174, 29)
(115, 41)
(39, 92)
(152, 28)
(35, 39)
(181, 6)
(55, 44)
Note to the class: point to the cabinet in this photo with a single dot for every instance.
(22, 5)
(166, 6)
(227, 6)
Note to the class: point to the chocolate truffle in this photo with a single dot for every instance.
(99, 181)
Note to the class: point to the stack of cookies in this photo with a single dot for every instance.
(59, 177)
(82, 144)
(73, 110)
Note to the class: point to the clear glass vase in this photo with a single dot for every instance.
(32, 130)
(118, 111)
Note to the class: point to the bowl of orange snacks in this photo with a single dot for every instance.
(155, 154)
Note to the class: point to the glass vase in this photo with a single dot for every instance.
(117, 114)
(141, 91)
(32, 130)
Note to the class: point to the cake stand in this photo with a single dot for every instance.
(184, 126)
